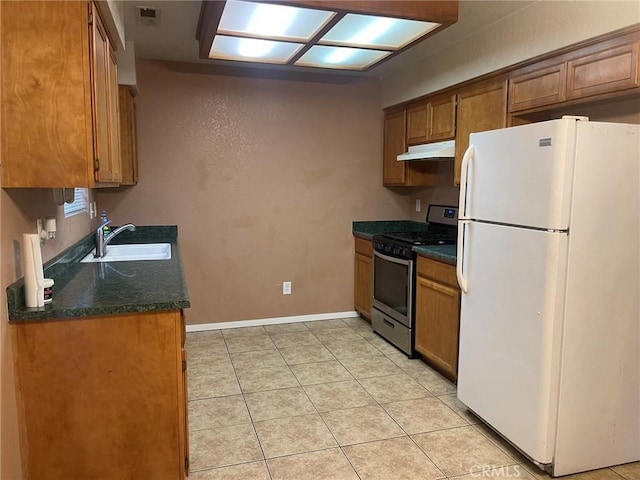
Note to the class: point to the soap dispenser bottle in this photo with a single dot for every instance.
(106, 230)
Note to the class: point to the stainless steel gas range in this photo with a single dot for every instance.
(394, 276)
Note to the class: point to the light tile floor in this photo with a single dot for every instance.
(330, 400)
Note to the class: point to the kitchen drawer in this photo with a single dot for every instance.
(392, 330)
(363, 246)
(436, 270)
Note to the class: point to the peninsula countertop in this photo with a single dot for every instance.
(110, 288)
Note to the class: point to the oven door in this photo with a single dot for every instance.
(392, 287)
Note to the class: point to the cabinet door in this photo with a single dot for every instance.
(441, 118)
(393, 172)
(128, 144)
(184, 414)
(438, 324)
(417, 119)
(45, 96)
(603, 72)
(101, 397)
(543, 86)
(101, 114)
(363, 285)
(183, 403)
(115, 163)
(480, 107)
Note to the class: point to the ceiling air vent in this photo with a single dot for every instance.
(147, 16)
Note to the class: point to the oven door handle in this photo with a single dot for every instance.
(401, 261)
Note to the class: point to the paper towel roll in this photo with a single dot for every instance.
(32, 267)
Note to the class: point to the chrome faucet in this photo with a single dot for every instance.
(102, 241)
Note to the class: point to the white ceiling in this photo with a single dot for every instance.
(174, 37)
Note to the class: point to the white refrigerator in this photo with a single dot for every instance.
(549, 268)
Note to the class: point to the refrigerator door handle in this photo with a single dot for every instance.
(462, 281)
(464, 170)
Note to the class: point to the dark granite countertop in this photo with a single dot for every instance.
(446, 253)
(86, 289)
(367, 230)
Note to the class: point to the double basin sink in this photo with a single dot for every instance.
(132, 253)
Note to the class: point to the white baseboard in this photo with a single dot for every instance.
(201, 327)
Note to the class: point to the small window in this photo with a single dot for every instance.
(80, 202)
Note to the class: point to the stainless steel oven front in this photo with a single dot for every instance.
(392, 312)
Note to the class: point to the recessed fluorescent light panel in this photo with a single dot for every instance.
(267, 20)
(252, 49)
(273, 32)
(340, 57)
(377, 32)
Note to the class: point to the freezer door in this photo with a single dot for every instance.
(511, 318)
(521, 175)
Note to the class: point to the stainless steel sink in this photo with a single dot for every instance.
(132, 253)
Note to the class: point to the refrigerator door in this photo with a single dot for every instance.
(511, 318)
(521, 175)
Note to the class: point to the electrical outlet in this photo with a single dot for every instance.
(418, 205)
(286, 288)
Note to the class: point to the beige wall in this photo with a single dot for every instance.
(263, 179)
(539, 28)
(19, 209)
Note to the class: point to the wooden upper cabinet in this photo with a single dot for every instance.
(393, 172)
(431, 120)
(102, 108)
(441, 114)
(603, 71)
(128, 143)
(59, 114)
(407, 174)
(536, 86)
(115, 162)
(481, 107)
(417, 123)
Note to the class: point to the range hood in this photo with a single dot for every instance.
(430, 151)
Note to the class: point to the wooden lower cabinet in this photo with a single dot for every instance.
(437, 323)
(103, 397)
(363, 283)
